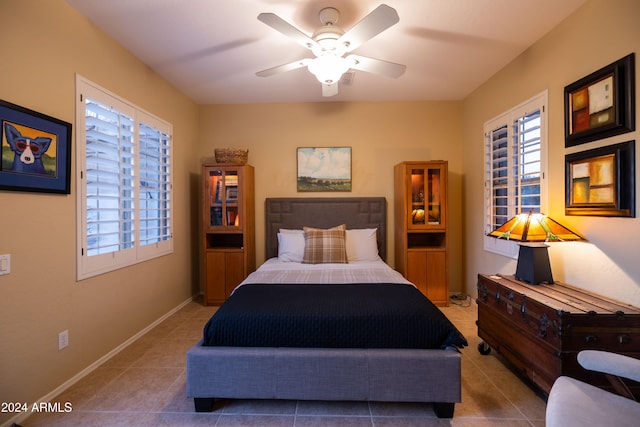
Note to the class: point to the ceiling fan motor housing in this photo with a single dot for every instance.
(327, 36)
(329, 16)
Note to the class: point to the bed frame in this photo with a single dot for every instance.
(295, 213)
(392, 375)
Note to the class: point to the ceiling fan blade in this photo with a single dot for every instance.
(279, 24)
(284, 68)
(377, 66)
(371, 25)
(330, 90)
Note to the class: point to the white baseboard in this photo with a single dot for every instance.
(86, 371)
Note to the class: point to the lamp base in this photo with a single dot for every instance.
(533, 263)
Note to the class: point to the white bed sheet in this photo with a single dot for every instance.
(276, 271)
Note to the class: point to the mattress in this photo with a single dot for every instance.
(362, 305)
(276, 271)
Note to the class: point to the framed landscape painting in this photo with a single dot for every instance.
(324, 169)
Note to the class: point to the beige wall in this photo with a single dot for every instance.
(44, 43)
(41, 297)
(598, 34)
(380, 134)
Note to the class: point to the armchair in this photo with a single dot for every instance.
(574, 403)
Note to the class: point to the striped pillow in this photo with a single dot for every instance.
(324, 246)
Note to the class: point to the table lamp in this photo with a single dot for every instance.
(532, 230)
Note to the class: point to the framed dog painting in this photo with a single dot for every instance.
(36, 151)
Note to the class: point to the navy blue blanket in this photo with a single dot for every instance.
(331, 316)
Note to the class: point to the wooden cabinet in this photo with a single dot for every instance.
(228, 205)
(420, 209)
(540, 329)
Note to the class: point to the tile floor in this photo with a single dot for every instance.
(144, 385)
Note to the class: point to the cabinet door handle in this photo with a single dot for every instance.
(591, 338)
(624, 339)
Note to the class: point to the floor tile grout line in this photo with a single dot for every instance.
(506, 397)
(462, 323)
(489, 378)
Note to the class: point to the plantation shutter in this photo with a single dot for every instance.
(515, 146)
(155, 185)
(528, 143)
(124, 197)
(110, 189)
(500, 183)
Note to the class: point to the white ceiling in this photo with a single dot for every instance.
(211, 49)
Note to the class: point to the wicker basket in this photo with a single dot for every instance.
(236, 156)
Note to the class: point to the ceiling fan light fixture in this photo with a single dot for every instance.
(330, 44)
(328, 68)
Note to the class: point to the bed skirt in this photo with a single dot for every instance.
(386, 375)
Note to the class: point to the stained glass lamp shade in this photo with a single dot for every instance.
(532, 230)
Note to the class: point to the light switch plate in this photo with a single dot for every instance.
(5, 264)
(63, 339)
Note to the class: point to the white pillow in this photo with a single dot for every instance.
(362, 245)
(290, 245)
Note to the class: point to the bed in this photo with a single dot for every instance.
(266, 340)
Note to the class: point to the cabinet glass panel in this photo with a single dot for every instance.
(417, 196)
(425, 196)
(434, 214)
(223, 198)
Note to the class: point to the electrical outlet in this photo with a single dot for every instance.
(63, 339)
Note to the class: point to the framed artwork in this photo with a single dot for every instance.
(601, 104)
(36, 151)
(601, 181)
(324, 169)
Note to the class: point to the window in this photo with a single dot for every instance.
(124, 182)
(515, 166)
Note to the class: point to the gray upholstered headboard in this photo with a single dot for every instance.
(324, 212)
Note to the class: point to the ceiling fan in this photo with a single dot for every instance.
(330, 43)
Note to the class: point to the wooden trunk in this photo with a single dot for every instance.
(541, 328)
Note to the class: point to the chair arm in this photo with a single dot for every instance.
(610, 363)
